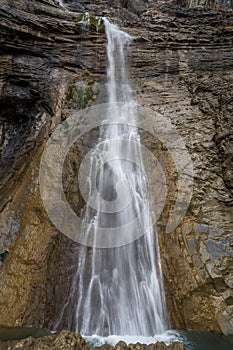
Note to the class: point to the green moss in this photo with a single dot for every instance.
(70, 93)
(79, 97)
(101, 27)
(194, 22)
(95, 23)
(84, 96)
(87, 73)
(78, 19)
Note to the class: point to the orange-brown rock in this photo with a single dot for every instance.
(181, 67)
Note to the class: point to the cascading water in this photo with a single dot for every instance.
(121, 291)
(60, 2)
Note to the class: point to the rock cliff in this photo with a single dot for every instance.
(181, 65)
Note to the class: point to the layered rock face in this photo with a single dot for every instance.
(44, 49)
(210, 4)
(181, 68)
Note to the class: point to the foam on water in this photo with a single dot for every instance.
(192, 340)
(167, 337)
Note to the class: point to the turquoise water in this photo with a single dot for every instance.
(191, 339)
(16, 333)
(206, 341)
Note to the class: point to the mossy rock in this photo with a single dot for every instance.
(95, 23)
(79, 95)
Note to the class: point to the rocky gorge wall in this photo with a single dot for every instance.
(181, 68)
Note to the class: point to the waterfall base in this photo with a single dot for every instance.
(173, 340)
(167, 337)
(189, 340)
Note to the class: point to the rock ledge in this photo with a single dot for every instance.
(67, 340)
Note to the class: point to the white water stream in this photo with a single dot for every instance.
(117, 290)
(121, 291)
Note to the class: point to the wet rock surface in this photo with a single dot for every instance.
(138, 346)
(72, 341)
(181, 67)
(65, 340)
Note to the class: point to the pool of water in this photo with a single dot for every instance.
(16, 333)
(191, 339)
(206, 341)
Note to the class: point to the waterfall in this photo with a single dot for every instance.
(119, 290)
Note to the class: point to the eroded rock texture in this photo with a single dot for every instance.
(181, 67)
